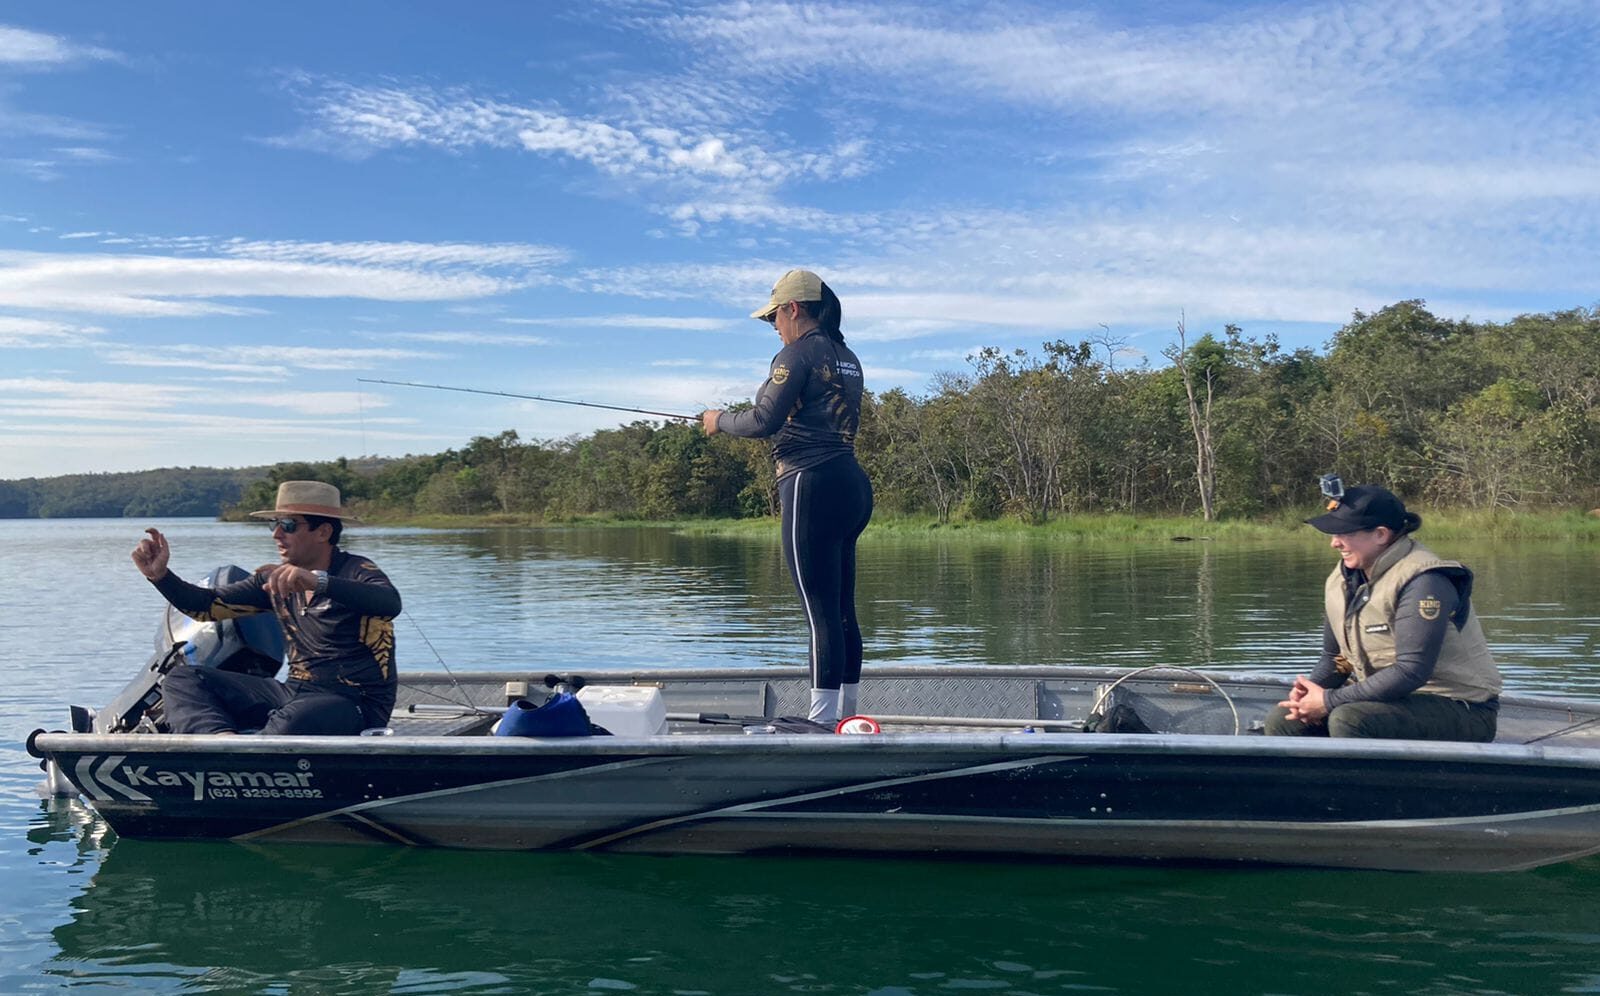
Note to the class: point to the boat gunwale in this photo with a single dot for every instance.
(47, 744)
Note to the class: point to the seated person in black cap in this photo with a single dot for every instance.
(1403, 656)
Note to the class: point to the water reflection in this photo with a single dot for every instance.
(312, 919)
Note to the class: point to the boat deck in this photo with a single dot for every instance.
(967, 699)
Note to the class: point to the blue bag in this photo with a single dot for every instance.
(562, 715)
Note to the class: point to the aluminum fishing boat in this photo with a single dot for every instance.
(988, 762)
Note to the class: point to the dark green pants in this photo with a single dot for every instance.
(1415, 717)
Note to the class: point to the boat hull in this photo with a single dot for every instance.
(1351, 804)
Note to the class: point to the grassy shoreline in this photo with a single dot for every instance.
(1573, 526)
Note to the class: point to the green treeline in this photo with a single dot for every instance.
(166, 492)
(1456, 414)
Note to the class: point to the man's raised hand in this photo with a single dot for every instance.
(151, 555)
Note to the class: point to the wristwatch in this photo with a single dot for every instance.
(322, 583)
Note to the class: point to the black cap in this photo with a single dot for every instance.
(1366, 506)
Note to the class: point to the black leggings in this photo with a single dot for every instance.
(824, 511)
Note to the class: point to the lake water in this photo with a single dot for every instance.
(82, 910)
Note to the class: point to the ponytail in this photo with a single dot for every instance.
(829, 313)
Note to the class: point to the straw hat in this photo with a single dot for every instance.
(306, 498)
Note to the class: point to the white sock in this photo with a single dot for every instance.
(848, 696)
(824, 706)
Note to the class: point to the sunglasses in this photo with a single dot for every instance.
(287, 525)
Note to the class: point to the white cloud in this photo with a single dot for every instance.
(461, 338)
(35, 169)
(108, 401)
(747, 281)
(85, 154)
(675, 324)
(130, 446)
(15, 122)
(75, 426)
(24, 49)
(1262, 60)
(890, 329)
(882, 378)
(271, 377)
(515, 255)
(35, 333)
(254, 359)
(148, 286)
(957, 355)
(759, 210)
(1255, 112)
(313, 403)
(94, 399)
(749, 367)
(1483, 183)
(359, 119)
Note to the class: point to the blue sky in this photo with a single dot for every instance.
(215, 218)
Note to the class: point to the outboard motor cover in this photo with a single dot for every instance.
(250, 644)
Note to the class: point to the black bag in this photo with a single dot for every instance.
(1120, 718)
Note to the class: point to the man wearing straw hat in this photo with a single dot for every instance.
(337, 611)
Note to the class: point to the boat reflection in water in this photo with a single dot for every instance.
(319, 919)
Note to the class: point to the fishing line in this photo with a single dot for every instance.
(361, 409)
(1564, 730)
(530, 397)
(501, 394)
(467, 699)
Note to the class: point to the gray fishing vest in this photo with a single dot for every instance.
(1365, 630)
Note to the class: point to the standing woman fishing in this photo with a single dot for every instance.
(811, 406)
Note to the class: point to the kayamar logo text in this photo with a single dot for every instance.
(112, 779)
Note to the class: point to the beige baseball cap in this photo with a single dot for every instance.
(796, 285)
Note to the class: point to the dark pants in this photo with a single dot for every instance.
(824, 511)
(1416, 717)
(206, 700)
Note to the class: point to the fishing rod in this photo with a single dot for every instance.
(528, 397)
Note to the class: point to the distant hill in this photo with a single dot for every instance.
(169, 491)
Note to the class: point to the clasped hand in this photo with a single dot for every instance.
(1307, 701)
(285, 579)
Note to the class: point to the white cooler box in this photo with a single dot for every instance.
(625, 710)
